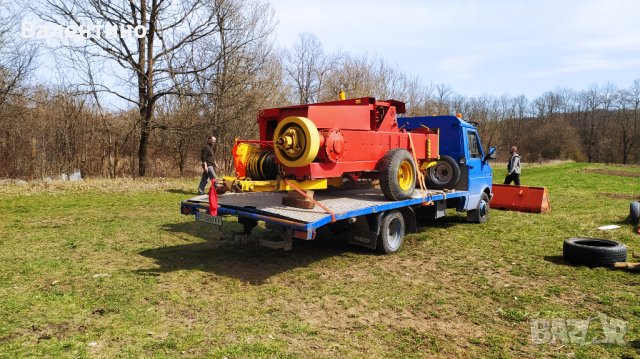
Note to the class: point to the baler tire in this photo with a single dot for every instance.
(593, 252)
(388, 174)
(634, 212)
(391, 234)
(481, 213)
(444, 163)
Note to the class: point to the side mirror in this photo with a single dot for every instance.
(491, 155)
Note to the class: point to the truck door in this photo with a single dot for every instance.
(476, 166)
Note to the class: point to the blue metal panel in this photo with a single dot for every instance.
(380, 208)
(451, 141)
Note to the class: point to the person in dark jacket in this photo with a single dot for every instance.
(513, 168)
(209, 165)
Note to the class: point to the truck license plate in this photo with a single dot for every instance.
(205, 217)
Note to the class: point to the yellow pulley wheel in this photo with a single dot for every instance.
(297, 141)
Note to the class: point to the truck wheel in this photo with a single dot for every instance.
(593, 252)
(444, 174)
(481, 213)
(397, 174)
(634, 212)
(391, 232)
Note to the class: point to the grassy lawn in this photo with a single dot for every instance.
(105, 268)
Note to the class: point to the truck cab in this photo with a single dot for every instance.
(459, 140)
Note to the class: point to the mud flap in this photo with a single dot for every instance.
(409, 216)
(364, 232)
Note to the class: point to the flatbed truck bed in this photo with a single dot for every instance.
(360, 211)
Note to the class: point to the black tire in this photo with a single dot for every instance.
(444, 174)
(388, 174)
(481, 213)
(593, 252)
(391, 236)
(634, 212)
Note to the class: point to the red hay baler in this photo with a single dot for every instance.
(354, 138)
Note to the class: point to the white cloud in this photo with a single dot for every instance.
(585, 65)
(617, 42)
(473, 59)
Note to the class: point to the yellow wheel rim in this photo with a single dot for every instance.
(296, 141)
(405, 175)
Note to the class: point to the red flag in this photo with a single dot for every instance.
(213, 198)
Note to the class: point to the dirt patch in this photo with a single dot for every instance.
(612, 172)
(632, 197)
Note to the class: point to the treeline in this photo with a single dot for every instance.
(149, 115)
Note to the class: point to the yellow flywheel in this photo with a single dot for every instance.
(405, 175)
(296, 141)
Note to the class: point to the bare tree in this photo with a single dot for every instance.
(443, 95)
(16, 56)
(306, 66)
(628, 104)
(159, 57)
(17, 60)
(247, 78)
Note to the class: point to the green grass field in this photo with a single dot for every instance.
(106, 268)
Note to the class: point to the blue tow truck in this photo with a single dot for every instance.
(461, 179)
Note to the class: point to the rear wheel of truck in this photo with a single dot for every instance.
(391, 235)
(444, 174)
(397, 174)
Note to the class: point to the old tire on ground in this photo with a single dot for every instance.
(634, 212)
(593, 252)
(397, 173)
(481, 213)
(392, 229)
(444, 174)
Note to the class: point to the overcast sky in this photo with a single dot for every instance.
(480, 47)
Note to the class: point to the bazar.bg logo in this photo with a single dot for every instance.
(574, 331)
(30, 30)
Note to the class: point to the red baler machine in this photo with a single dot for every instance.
(354, 138)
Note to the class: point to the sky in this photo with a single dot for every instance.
(480, 47)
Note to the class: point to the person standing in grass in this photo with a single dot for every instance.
(209, 165)
(513, 167)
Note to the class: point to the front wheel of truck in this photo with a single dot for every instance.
(481, 213)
